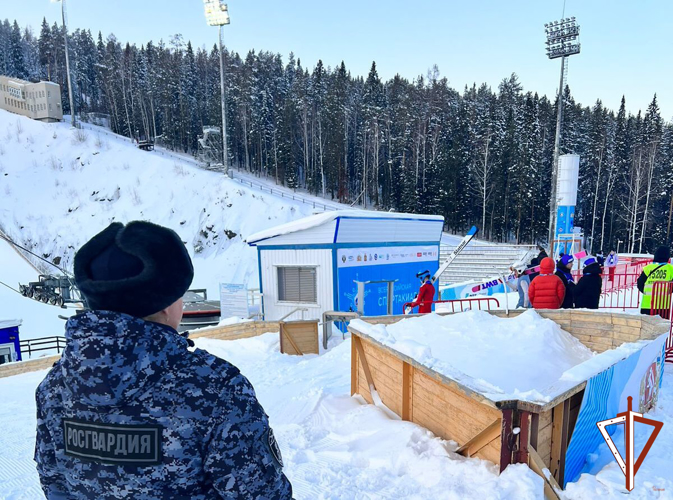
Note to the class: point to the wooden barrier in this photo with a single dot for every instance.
(236, 331)
(481, 427)
(229, 332)
(299, 337)
(32, 365)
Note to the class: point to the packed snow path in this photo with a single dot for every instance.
(336, 447)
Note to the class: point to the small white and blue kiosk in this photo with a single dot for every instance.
(312, 265)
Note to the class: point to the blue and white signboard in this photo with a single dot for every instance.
(233, 300)
(639, 376)
(400, 263)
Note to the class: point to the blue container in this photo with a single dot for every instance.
(10, 346)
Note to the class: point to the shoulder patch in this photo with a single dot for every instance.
(114, 444)
(274, 448)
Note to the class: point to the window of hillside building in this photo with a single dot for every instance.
(297, 285)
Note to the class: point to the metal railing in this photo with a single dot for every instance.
(620, 292)
(660, 305)
(459, 303)
(30, 346)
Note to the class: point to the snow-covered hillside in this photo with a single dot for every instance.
(38, 319)
(59, 186)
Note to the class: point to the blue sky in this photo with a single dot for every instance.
(626, 44)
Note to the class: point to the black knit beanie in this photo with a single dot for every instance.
(663, 254)
(137, 269)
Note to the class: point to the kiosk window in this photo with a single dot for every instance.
(297, 284)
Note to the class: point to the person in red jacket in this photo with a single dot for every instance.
(425, 295)
(547, 290)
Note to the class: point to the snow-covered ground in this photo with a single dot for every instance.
(338, 447)
(59, 187)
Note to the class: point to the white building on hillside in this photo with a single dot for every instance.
(39, 101)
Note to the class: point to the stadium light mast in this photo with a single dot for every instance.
(64, 16)
(562, 41)
(217, 14)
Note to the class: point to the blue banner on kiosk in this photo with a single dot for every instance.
(565, 224)
(383, 263)
(639, 376)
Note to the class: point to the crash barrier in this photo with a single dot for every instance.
(556, 435)
(30, 346)
(458, 305)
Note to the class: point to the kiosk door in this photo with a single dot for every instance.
(7, 353)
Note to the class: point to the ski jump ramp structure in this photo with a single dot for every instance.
(557, 434)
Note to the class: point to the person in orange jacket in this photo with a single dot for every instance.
(547, 290)
(425, 295)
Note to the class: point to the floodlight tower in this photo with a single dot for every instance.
(562, 41)
(217, 14)
(64, 16)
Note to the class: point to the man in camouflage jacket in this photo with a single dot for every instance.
(131, 410)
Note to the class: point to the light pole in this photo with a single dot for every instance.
(217, 14)
(64, 16)
(561, 42)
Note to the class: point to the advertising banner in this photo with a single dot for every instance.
(383, 263)
(639, 376)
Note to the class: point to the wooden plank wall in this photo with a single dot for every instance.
(230, 332)
(236, 331)
(303, 335)
(32, 365)
(417, 397)
(544, 437)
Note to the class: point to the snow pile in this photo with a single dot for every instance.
(58, 187)
(502, 358)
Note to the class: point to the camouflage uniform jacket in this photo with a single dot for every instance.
(130, 412)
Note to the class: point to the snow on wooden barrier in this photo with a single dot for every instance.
(503, 432)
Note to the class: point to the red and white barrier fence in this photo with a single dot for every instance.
(458, 305)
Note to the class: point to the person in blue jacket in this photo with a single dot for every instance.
(132, 410)
(587, 293)
(563, 271)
